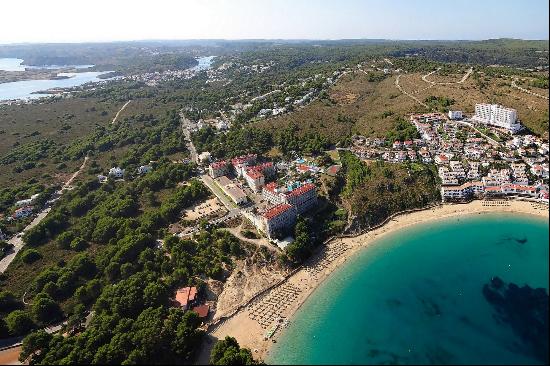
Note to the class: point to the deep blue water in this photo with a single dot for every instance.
(416, 297)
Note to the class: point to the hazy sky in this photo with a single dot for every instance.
(105, 20)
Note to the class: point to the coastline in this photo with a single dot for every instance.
(246, 325)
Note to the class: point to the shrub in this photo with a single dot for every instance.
(30, 256)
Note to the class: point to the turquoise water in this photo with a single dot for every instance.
(416, 297)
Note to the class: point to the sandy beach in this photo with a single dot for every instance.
(250, 325)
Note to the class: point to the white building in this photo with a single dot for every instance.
(254, 179)
(28, 201)
(144, 169)
(218, 168)
(279, 218)
(302, 198)
(498, 116)
(23, 212)
(204, 157)
(455, 115)
(116, 172)
(230, 189)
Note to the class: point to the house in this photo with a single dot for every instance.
(218, 168)
(144, 169)
(102, 178)
(186, 297)
(271, 193)
(27, 202)
(278, 218)
(23, 212)
(454, 115)
(241, 162)
(204, 157)
(202, 311)
(333, 170)
(116, 172)
(397, 145)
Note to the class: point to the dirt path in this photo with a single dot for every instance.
(10, 356)
(121, 109)
(461, 81)
(515, 85)
(408, 94)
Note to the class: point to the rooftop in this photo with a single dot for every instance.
(276, 211)
(185, 295)
(301, 190)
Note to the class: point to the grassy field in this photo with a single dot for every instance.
(371, 108)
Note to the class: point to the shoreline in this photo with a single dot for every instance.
(249, 327)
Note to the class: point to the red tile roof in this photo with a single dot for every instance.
(185, 295)
(254, 174)
(219, 164)
(276, 211)
(271, 187)
(202, 310)
(301, 190)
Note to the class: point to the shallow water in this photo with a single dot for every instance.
(416, 297)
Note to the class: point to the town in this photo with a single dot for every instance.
(478, 157)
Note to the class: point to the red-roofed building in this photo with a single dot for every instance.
(202, 311)
(240, 163)
(218, 169)
(278, 218)
(186, 297)
(255, 179)
(333, 170)
(272, 193)
(302, 198)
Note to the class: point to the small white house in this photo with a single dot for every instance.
(102, 178)
(144, 169)
(23, 212)
(204, 157)
(116, 172)
(455, 115)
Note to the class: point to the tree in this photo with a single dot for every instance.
(30, 256)
(44, 309)
(19, 322)
(33, 345)
(228, 352)
(8, 302)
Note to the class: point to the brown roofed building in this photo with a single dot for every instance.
(202, 311)
(186, 296)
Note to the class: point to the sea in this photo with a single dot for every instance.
(416, 297)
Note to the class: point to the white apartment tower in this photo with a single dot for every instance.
(498, 116)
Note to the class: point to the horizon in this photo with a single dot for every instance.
(273, 40)
(168, 20)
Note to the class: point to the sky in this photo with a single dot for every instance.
(118, 20)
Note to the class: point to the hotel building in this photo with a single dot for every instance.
(498, 116)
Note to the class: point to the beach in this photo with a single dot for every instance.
(260, 317)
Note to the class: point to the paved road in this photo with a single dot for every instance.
(17, 240)
(185, 125)
(121, 109)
